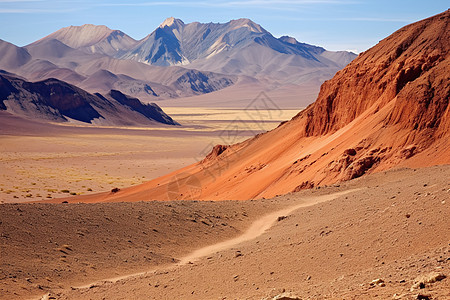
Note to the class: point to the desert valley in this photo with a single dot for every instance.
(216, 161)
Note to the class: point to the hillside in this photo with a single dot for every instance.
(55, 100)
(388, 108)
(93, 39)
(238, 47)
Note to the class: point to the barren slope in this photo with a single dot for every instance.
(387, 108)
(56, 100)
(93, 39)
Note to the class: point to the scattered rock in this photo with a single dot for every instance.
(286, 296)
(351, 152)
(254, 168)
(378, 281)
(423, 297)
(324, 233)
(422, 281)
(361, 166)
(216, 151)
(305, 185)
(115, 190)
(281, 218)
(408, 152)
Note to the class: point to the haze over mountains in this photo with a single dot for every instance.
(175, 60)
(388, 108)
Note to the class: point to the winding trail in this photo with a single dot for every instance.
(257, 228)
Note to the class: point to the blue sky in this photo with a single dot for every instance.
(334, 24)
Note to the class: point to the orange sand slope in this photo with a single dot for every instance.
(386, 109)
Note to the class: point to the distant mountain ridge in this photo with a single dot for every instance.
(93, 39)
(176, 60)
(96, 72)
(196, 44)
(55, 100)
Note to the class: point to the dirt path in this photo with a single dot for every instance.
(258, 227)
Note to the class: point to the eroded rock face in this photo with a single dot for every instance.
(151, 110)
(304, 186)
(49, 99)
(216, 151)
(405, 78)
(360, 167)
(409, 67)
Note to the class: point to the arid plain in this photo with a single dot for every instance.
(43, 161)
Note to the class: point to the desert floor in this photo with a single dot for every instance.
(40, 161)
(378, 236)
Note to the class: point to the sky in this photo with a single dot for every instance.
(354, 25)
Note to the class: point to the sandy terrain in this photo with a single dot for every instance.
(391, 226)
(41, 161)
(388, 108)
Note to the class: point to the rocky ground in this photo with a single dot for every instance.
(387, 238)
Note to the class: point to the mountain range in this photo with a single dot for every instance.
(175, 60)
(58, 101)
(388, 108)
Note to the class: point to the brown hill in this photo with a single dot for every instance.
(93, 39)
(388, 108)
(12, 56)
(56, 100)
